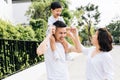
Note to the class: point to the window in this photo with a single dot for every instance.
(19, 1)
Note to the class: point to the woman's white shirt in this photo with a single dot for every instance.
(99, 67)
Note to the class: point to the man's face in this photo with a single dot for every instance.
(57, 12)
(60, 34)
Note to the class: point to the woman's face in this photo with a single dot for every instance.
(94, 39)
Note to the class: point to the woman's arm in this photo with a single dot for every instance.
(73, 34)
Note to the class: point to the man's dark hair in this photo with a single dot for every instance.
(59, 24)
(104, 40)
(55, 5)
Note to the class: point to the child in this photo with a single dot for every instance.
(56, 10)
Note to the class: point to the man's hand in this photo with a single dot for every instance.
(65, 45)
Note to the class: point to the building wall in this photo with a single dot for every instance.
(6, 10)
(14, 11)
(19, 10)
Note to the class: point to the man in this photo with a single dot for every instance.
(54, 47)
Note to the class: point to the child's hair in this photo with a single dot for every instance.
(55, 5)
(59, 24)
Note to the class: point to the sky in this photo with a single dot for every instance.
(109, 9)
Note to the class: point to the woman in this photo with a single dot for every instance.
(99, 60)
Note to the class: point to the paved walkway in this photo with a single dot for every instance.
(77, 66)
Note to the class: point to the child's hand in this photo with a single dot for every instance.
(74, 31)
(52, 30)
(52, 43)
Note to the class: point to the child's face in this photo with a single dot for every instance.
(56, 12)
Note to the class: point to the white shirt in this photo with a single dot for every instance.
(99, 67)
(56, 68)
(51, 20)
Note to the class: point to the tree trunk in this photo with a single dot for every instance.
(89, 33)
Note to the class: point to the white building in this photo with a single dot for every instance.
(6, 12)
(14, 10)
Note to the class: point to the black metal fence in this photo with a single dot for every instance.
(17, 55)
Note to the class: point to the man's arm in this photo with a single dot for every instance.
(43, 46)
(75, 38)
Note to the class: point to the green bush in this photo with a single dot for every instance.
(26, 33)
(114, 28)
(38, 24)
(8, 31)
(40, 34)
(19, 32)
(40, 27)
(20, 52)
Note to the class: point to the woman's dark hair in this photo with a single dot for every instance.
(104, 40)
(55, 5)
(59, 24)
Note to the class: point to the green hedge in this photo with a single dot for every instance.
(40, 27)
(35, 32)
(18, 45)
(19, 32)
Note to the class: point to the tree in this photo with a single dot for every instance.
(114, 28)
(88, 16)
(41, 9)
